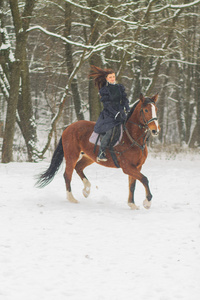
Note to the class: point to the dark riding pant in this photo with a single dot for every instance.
(105, 140)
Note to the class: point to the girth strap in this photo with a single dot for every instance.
(114, 158)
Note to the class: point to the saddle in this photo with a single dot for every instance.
(115, 139)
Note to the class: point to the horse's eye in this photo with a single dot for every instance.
(146, 110)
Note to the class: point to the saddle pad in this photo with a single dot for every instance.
(94, 137)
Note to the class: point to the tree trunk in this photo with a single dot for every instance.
(160, 59)
(196, 136)
(180, 109)
(70, 65)
(198, 95)
(94, 103)
(25, 108)
(7, 153)
(20, 98)
(162, 106)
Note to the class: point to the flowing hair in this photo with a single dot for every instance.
(99, 75)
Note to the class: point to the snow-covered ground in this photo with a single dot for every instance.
(99, 249)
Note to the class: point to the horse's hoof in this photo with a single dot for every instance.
(146, 204)
(71, 198)
(133, 206)
(86, 190)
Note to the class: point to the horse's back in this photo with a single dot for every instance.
(78, 131)
(75, 138)
(79, 127)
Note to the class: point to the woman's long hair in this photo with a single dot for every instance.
(99, 75)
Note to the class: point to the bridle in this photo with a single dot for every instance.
(143, 116)
(141, 126)
(144, 136)
(135, 142)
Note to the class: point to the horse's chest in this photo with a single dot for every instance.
(143, 157)
(140, 157)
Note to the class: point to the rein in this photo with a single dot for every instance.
(134, 142)
(144, 134)
(141, 126)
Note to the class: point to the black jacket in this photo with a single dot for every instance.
(114, 100)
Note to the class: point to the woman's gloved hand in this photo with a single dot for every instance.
(120, 116)
(117, 116)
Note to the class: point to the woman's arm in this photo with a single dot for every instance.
(124, 98)
(107, 105)
(105, 99)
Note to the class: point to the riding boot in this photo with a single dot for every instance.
(104, 143)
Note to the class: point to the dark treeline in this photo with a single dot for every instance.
(47, 47)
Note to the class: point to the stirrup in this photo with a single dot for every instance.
(101, 157)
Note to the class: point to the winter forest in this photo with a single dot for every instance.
(47, 47)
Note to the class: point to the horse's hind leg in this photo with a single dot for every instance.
(68, 176)
(80, 166)
(71, 157)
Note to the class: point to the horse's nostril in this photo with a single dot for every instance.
(154, 132)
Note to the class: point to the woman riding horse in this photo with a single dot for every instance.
(114, 101)
(131, 152)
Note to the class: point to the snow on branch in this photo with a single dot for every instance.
(179, 61)
(160, 50)
(184, 5)
(7, 45)
(56, 4)
(172, 99)
(66, 40)
(176, 6)
(101, 13)
(4, 88)
(4, 80)
(91, 48)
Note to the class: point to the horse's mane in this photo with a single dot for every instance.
(146, 101)
(132, 108)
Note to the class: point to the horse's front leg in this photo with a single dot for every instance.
(131, 202)
(147, 201)
(135, 174)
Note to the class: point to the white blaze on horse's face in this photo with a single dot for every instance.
(149, 113)
(154, 115)
(152, 121)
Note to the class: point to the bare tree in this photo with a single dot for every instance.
(152, 45)
(19, 97)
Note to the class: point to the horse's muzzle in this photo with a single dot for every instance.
(154, 132)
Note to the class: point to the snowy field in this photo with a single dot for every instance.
(99, 249)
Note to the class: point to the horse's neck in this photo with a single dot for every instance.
(134, 126)
(134, 121)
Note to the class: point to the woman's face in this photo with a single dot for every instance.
(111, 78)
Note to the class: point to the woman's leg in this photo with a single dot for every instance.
(104, 143)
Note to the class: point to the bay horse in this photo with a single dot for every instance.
(131, 152)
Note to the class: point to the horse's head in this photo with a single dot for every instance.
(148, 113)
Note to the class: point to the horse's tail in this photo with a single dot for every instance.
(46, 177)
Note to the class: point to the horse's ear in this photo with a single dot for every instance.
(155, 98)
(142, 99)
